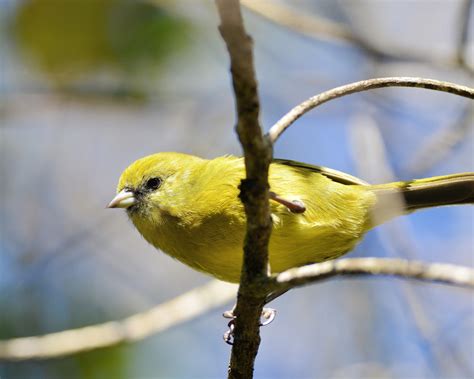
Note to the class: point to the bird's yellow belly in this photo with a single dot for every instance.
(221, 255)
(215, 244)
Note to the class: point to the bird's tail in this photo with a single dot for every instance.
(394, 199)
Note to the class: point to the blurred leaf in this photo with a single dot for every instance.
(69, 40)
(65, 37)
(103, 363)
(142, 34)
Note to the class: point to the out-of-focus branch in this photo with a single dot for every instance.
(139, 326)
(441, 143)
(310, 25)
(370, 156)
(317, 27)
(464, 18)
(214, 294)
(432, 272)
(281, 125)
(254, 191)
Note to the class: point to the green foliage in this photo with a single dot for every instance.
(25, 314)
(97, 364)
(68, 40)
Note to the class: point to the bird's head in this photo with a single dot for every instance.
(155, 184)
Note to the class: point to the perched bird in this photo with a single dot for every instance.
(189, 208)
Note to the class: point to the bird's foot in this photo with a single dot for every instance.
(267, 316)
(229, 334)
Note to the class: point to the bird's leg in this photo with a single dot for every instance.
(295, 206)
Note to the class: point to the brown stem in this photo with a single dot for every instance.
(254, 190)
(433, 272)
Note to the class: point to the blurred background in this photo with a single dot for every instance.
(88, 86)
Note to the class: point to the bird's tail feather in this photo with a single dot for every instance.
(394, 199)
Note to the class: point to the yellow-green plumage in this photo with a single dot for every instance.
(196, 216)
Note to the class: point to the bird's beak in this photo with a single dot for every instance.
(123, 199)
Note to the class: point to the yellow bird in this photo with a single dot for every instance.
(189, 208)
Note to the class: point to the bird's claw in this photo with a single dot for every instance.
(267, 316)
(228, 314)
(229, 334)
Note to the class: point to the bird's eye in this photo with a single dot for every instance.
(152, 184)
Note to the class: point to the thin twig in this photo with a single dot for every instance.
(432, 272)
(370, 155)
(281, 125)
(464, 20)
(254, 190)
(441, 143)
(139, 326)
(317, 27)
(308, 24)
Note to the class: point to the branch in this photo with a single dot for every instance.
(139, 326)
(370, 155)
(302, 22)
(464, 19)
(441, 143)
(432, 272)
(214, 294)
(254, 191)
(279, 127)
(317, 27)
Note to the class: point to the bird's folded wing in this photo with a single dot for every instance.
(335, 175)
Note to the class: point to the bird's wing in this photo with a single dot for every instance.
(335, 175)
